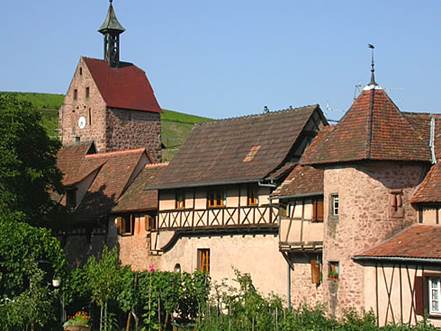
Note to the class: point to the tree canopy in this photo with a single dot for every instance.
(28, 172)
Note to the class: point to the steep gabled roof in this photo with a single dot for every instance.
(112, 172)
(238, 150)
(123, 87)
(372, 129)
(109, 183)
(417, 242)
(429, 191)
(136, 198)
(304, 180)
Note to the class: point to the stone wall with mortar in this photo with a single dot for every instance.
(364, 220)
(129, 129)
(92, 108)
(303, 290)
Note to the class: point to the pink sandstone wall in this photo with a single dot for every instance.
(364, 221)
(72, 110)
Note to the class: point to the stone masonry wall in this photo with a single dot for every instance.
(128, 129)
(133, 249)
(364, 221)
(93, 108)
(303, 291)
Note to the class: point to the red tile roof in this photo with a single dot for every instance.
(113, 173)
(429, 191)
(418, 241)
(302, 181)
(110, 182)
(136, 197)
(124, 87)
(372, 129)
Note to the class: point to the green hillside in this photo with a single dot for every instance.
(174, 130)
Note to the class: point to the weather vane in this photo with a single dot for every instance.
(372, 82)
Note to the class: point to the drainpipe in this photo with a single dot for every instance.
(289, 285)
(432, 139)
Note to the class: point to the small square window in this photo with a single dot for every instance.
(87, 92)
(252, 196)
(75, 96)
(216, 199)
(333, 270)
(125, 225)
(334, 205)
(180, 200)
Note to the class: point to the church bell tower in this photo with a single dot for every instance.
(111, 29)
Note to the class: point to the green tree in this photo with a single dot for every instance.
(30, 258)
(28, 172)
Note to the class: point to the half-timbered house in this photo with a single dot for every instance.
(215, 212)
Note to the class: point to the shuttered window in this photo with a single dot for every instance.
(204, 260)
(252, 199)
(216, 199)
(124, 225)
(317, 210)
(315, 271)
(180, 200)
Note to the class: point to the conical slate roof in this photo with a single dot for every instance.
(111, 22)
(372, 129)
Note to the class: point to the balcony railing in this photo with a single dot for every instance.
(226, 217)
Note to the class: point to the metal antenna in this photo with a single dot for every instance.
(372, 82)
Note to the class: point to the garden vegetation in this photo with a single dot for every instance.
(102, 294)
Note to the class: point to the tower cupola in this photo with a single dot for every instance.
(111, 29)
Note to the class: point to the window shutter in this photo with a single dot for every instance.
(393, 201)
(399, 201)
(315, 272)
(419, 295)
(119, 225)
(314, 211)
(319, 211)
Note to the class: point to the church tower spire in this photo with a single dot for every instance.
(111, 29)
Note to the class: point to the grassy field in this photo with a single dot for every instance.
(175, 127)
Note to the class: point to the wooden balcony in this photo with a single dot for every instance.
(218, 218)
(297, 234)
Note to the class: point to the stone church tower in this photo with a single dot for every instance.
(111, 102)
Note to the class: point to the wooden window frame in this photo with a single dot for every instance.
(429, 296)
(333, 270)
(125, 225)
(317, 210)
(252, 196)
(180, 204)
(334, 197)
(203, 256)
(217, 201)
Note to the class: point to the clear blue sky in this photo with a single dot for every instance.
(233, 57)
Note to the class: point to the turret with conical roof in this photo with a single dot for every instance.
(111, 29)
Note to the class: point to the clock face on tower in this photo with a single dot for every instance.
(82, 122)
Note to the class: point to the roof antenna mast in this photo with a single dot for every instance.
(372, 82)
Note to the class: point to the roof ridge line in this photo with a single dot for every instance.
(129, 151)
(256, 115)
